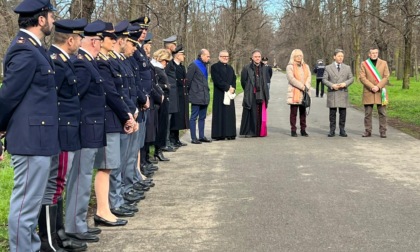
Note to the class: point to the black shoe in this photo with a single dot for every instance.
(180, 144)
(101, 221)
(121, 212)
(87, 237)
(231, 138)
(141, 185)
(218, 138)
(69, 244)
(168, 149)
(151, 160)
(159, 155)
(151, 167)
(343, 133)
(195, 141)
(303, 133)
(293, 134)
(205, 140)
(131, 208)
(383, 135)
(131, 196)
(94, 230)
(331, 134)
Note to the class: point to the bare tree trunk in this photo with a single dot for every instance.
(82, 9)
(408, 40)
(184, 17)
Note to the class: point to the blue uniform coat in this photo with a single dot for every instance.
(28, 99)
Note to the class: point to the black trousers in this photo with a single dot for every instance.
(319, 81)
(342, 119)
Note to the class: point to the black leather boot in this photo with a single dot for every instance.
(159, 155)
(63, 240)
(47, 229)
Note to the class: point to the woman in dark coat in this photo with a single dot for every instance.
(224, 118)
(160, 59)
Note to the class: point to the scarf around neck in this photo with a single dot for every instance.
(202, 67)
(297, 93)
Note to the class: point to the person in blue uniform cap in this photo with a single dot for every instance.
(66, 42)
(92, 133)
(29, 116)
(143, 22)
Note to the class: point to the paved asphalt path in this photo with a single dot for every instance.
(280, 193)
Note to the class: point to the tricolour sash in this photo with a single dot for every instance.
(374, 71)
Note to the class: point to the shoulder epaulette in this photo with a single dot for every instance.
(88, 57)
(102, 57)
(33, 41)
(112, 54)
(63, 57)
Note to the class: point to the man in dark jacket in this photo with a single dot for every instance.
(197, 81)
(319, 71)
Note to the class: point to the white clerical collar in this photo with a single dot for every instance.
(61, 50)
(32, 35)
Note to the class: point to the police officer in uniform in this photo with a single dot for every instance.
(170, 70)
(92, 133)
(29, 115)
(67, 39)
(180, 120)
(118, 119)
(122, 84)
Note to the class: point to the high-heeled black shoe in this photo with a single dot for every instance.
(159, 155)
(101, 221)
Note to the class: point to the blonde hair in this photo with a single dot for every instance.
(162, 54)
(293, 54)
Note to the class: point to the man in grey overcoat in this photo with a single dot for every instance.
(338, 77)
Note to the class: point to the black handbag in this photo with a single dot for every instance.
(306, 101)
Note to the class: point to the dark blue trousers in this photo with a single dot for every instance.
(199, 111)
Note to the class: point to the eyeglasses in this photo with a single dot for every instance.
(224, 56)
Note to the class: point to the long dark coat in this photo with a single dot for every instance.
(181, 119)
(163, 113)
(255, 93)
(224, 118)
(170, 71)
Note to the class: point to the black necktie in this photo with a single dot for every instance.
(338, 67)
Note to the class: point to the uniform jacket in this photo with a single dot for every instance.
(319, 70)
(368, 81)
(92, 101)
(143, 75)
(132, 87)
(199, 91)
(337, 98)
(116, 110)
(28, 99)
(68, 101)
(295, 83)
(126, 77)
